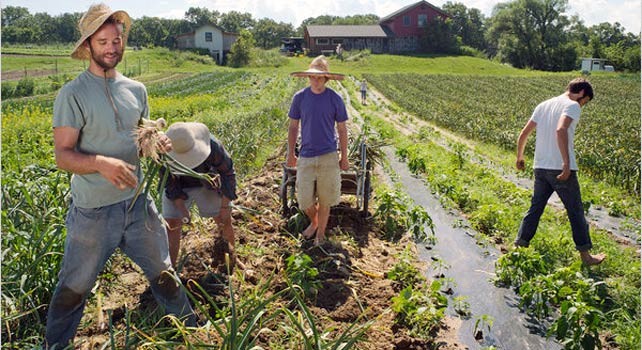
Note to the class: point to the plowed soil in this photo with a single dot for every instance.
(352, 264)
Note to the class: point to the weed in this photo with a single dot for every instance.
(301, 272)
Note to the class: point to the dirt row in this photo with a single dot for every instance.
(351, 264)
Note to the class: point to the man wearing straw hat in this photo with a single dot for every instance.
(317, 109)
(95, 116)
(196, 148)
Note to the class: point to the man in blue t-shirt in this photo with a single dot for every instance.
(317, 109)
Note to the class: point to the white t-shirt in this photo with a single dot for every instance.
(546, 116)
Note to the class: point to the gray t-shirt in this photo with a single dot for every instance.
(84, 104)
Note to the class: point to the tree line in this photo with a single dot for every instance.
(532, 34)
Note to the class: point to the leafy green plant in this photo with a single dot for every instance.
(461, 305)
(301, 272)
(485, 321)
(399, 216)
(421, 310)
(459, 152)
(404, 272)
(578, 326)
(517, 266)
(25, 87)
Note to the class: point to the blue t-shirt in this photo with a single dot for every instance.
(318, 114)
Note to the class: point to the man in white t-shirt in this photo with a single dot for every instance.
(555, 166)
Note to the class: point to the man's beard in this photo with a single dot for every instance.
(101, 62)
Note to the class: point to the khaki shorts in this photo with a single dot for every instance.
(325, 171)
(207, 200)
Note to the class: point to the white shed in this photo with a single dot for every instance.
(595, 64)
(210, 37)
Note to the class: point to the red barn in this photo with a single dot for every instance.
(408, 24)
(395, 33)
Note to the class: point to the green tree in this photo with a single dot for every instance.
(467, 24)
(241, 51)
(67, 27)
(368, 19)
(235, 21)
(198, 16)
(13, 15)
(439, 37)
(532, 33)
(268, 33)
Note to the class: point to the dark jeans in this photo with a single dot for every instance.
(569, 192)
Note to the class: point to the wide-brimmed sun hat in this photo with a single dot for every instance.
(91, 21)
(318, 67)
(190, 143)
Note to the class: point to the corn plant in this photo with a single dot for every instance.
(502, 104)
(32, 240)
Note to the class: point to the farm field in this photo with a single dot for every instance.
(367, 284)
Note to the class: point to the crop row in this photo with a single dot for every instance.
(494, 109)
(201, 83)
(548, 276)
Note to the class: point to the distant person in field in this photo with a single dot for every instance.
(317, 109)
(95, 116)
(555, 167)
(339, 52)
(363, 87)
(195, 147)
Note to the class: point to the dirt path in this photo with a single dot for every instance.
(19, 74)
(624, 230)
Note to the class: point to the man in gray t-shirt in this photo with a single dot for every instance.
(95, 116)
(555, 167)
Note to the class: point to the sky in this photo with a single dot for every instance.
(627, 12)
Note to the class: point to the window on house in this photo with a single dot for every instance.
(406, 21)
(208, 36)
(337, 41)
(422, 20)
(324, 41)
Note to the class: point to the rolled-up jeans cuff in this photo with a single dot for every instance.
(584, 248)
(521, 243)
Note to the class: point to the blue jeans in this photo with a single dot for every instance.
(569, 192)
(93, 234)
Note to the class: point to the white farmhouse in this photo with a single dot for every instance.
(211, 37)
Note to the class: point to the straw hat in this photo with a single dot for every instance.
(91, 21)
(318, 67)
(190, 143)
